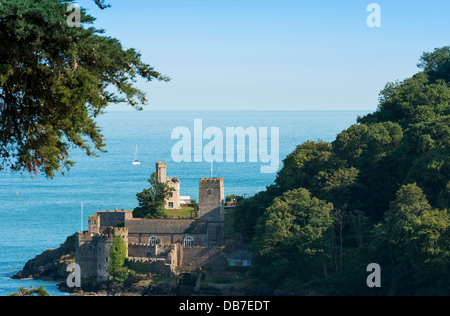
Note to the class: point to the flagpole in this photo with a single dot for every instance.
(81, 216)
(211, 169)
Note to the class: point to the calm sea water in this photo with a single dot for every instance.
(38, 214)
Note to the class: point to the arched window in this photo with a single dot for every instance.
(153, 241)
(188, 242)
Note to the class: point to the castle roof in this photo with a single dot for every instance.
(166, 226)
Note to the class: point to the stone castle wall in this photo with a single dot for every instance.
(93, 252)
(200, 240)
(113, 218)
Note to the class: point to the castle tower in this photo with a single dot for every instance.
(211, 208)
(173, 202)
(161, 169)
(94, 224)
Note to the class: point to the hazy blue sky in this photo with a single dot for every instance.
(274, 54)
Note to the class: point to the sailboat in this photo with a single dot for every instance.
(136, 161)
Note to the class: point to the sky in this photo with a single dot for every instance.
(273, 55)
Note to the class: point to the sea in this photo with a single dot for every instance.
(37, 213)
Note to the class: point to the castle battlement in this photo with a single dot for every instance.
(108, 234)
(214, 183)
(114, 211)
(140, 245)
(145, 260)
(211, 180)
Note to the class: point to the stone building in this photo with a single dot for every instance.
(93, 251)
(174, 200)
(166, 246)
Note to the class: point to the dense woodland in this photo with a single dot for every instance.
(379, 193)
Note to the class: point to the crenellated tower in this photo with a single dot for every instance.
(211, 208)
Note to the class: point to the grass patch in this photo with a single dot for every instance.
(185, 212)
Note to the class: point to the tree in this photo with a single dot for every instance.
(152, 200)
(411, 101)
(436, 64)
(429, 254)
(118, 254)
(300, 167)
(22, 291)
(101, 4)
(419, 237)
(370, 149)
(409, 203)
(55, 80)
(249, 210)
(293, 237)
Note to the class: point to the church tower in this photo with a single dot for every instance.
(211, 208)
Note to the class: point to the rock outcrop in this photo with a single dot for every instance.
(51, 264)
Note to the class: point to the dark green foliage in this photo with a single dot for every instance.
(55, 80)
(137, 267)
(295, 224)
(300, 167)
(152, 200)
(418, 237)
(22, 291)
(388, 179)
(436, 64)
(101, 4)
(118, 252)
(248, 211)
(412, 101)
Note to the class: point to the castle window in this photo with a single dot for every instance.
(188, 242)
(171, 204)
(153, 241)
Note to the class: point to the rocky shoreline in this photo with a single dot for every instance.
(52, 265)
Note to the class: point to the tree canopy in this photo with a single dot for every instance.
(118, 252)
(55, 80)
(22, 291)
(387, 179)
(152, 200)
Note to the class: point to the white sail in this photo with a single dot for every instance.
(136, 161)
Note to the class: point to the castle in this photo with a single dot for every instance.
(165, 246)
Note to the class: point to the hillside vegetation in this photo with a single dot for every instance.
(379, 193)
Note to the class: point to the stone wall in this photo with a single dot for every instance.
(173, 202)
(86, 255)
(149, 251)
(200, 240)
(155, 266)
(93, 252)
(113, 218)
(211, 200)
